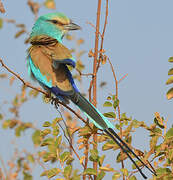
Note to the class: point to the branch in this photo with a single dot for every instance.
(94, 79)
(2, 10)
(27, 84)
(82, 74)
(92, 25)
(102, 36)
(119, 115)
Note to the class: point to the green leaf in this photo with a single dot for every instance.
(169, 94)
(101, 175)
(36, 138)
(116, 176)
(132, 178)
(105, 168)
(101, 159)
(90, 171)
(76, 176)
(64, 156)
(26, 176)
(107, 104)
(125, 172)
(116, 103)
(170, 80)
(49, 156)
(153, 142)
(120, 157)
(6, 124)
(163, 171)
(170, 72)
(48, 141)
(1, 23)
(50, 4)
(1, 116)
(109, 145)
(169, 134)
(94, 155)
(170, 155)
(109, 115)
(84, 131)
(51, 173)
(170, 59)
(138, 163)
(30, 158)
(59, 139)
(159, 120)
(55, 131)
(45, 132)
(47, 124)
(18, 131)
(156, 132)
(67, 171)
(70, 160)
(19, 33)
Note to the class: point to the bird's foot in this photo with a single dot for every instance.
(54, 101)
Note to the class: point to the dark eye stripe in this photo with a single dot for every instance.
(54, 21)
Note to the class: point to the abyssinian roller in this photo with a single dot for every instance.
(47, 63)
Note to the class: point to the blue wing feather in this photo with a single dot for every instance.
(40, 78)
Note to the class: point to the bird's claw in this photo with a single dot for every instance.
(54, 101)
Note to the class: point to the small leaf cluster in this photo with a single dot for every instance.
(170, 81)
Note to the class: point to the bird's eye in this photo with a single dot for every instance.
(54, 21)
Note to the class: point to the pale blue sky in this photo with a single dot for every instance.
(138, 41)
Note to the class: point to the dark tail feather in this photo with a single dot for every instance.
(111, 133)
(101, 122)
(92, 113)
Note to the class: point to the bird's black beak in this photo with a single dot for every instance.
(71, 27)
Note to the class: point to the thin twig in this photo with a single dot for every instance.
(2, 10)
(21, 79)
(3, 166)
(41, 91)
(119, 115)
(83, 74)
(102, 36)
(2, 175)
(69, 139)
(92, 25)
(165, 126)
(122, 78)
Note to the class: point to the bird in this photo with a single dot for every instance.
(48, 63)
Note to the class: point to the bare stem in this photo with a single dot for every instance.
(94, 79)
(119, 115)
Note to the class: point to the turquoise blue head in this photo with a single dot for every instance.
(54, 25)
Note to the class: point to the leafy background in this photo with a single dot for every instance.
(138, 41)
